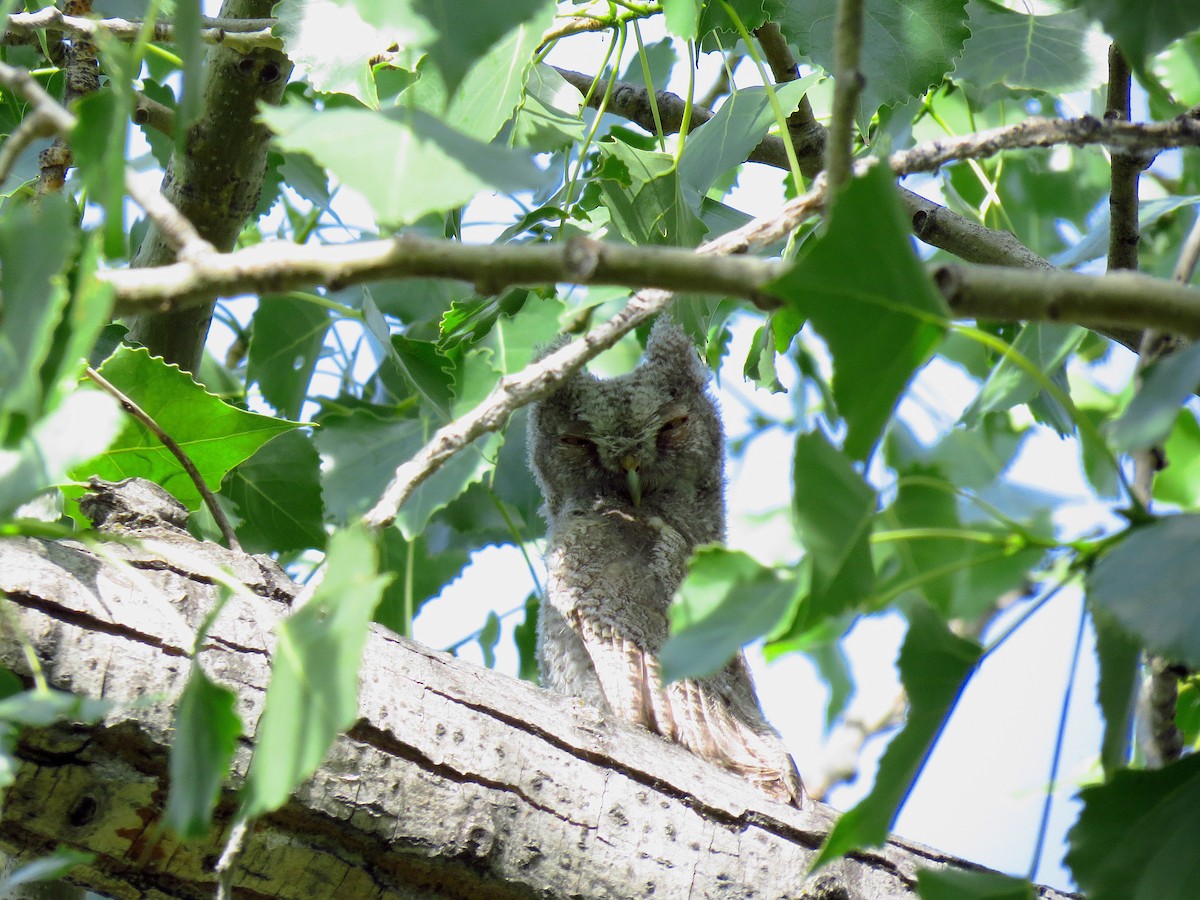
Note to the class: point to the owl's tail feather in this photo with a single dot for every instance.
(717, 718)
(713, 722)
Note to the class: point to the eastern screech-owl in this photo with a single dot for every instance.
(632, 472)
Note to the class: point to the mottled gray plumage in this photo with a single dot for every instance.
(632, 472)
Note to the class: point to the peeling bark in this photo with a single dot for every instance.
(455, 782)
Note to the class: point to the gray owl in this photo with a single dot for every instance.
(631, 469)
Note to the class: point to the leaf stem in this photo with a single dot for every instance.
(769, 86)
(650, 92)
(175, 450)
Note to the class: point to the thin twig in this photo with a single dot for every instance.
(156, 115)
(848, 82)
(225, 865)
(167, 441)
(33, 126)
(1186, 264)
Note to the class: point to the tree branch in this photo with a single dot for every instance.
(1123, 235)
(215, 178)
(280, 266)
(239, 34)
(848, 83)
(1116, 300)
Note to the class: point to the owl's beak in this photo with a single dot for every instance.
(631, 465)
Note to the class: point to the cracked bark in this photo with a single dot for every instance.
(456, 781)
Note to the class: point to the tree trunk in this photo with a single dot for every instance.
(455, 782)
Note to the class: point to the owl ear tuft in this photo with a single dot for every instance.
(670, 348)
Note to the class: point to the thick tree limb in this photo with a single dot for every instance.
(216, 180)
(991, 292)
(456, 781)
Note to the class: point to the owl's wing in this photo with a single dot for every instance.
(628, 675)
(719, 719)
(716, 718)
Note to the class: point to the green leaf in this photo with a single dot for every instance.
(1179, 482)
(277, 492)
(214, 435)
(405, 161)
(682, 17)
(36, 243)
(363, 452)
(1152, 412)
(494, 85)
(549, 118)
(1178, 70)
(963, 884)
(919, 505)
(98, 149)
(39, 708)
(1094, 243)
(188, 45)
(313, 694)
(1119, 660)
(726, 139)
(1144, 28)
(1147, 584)
(1028, 52)
(463, 39)
(881, 321)
(420, 568)
(1047, 346)
(727, 600)
(641, 190)
(934, 666)
(489, 637)
(47, 868)
(284, 348)
(426, 370)
(834, 508)
(332, 44)
(526, 639)
(84, 424)
(1137, 834)
(907, 46)
(207, 729)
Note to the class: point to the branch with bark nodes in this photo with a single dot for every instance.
(240, 34)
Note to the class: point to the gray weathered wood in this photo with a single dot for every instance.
(456, 781)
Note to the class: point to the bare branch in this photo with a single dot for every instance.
(157, 115)
(807, 134)
(240, 34)
(280, 266)
(848, 83)
(1123, 235)
(1116, 300)
(1128, 137)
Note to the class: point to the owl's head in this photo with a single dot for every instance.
(649, 439)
